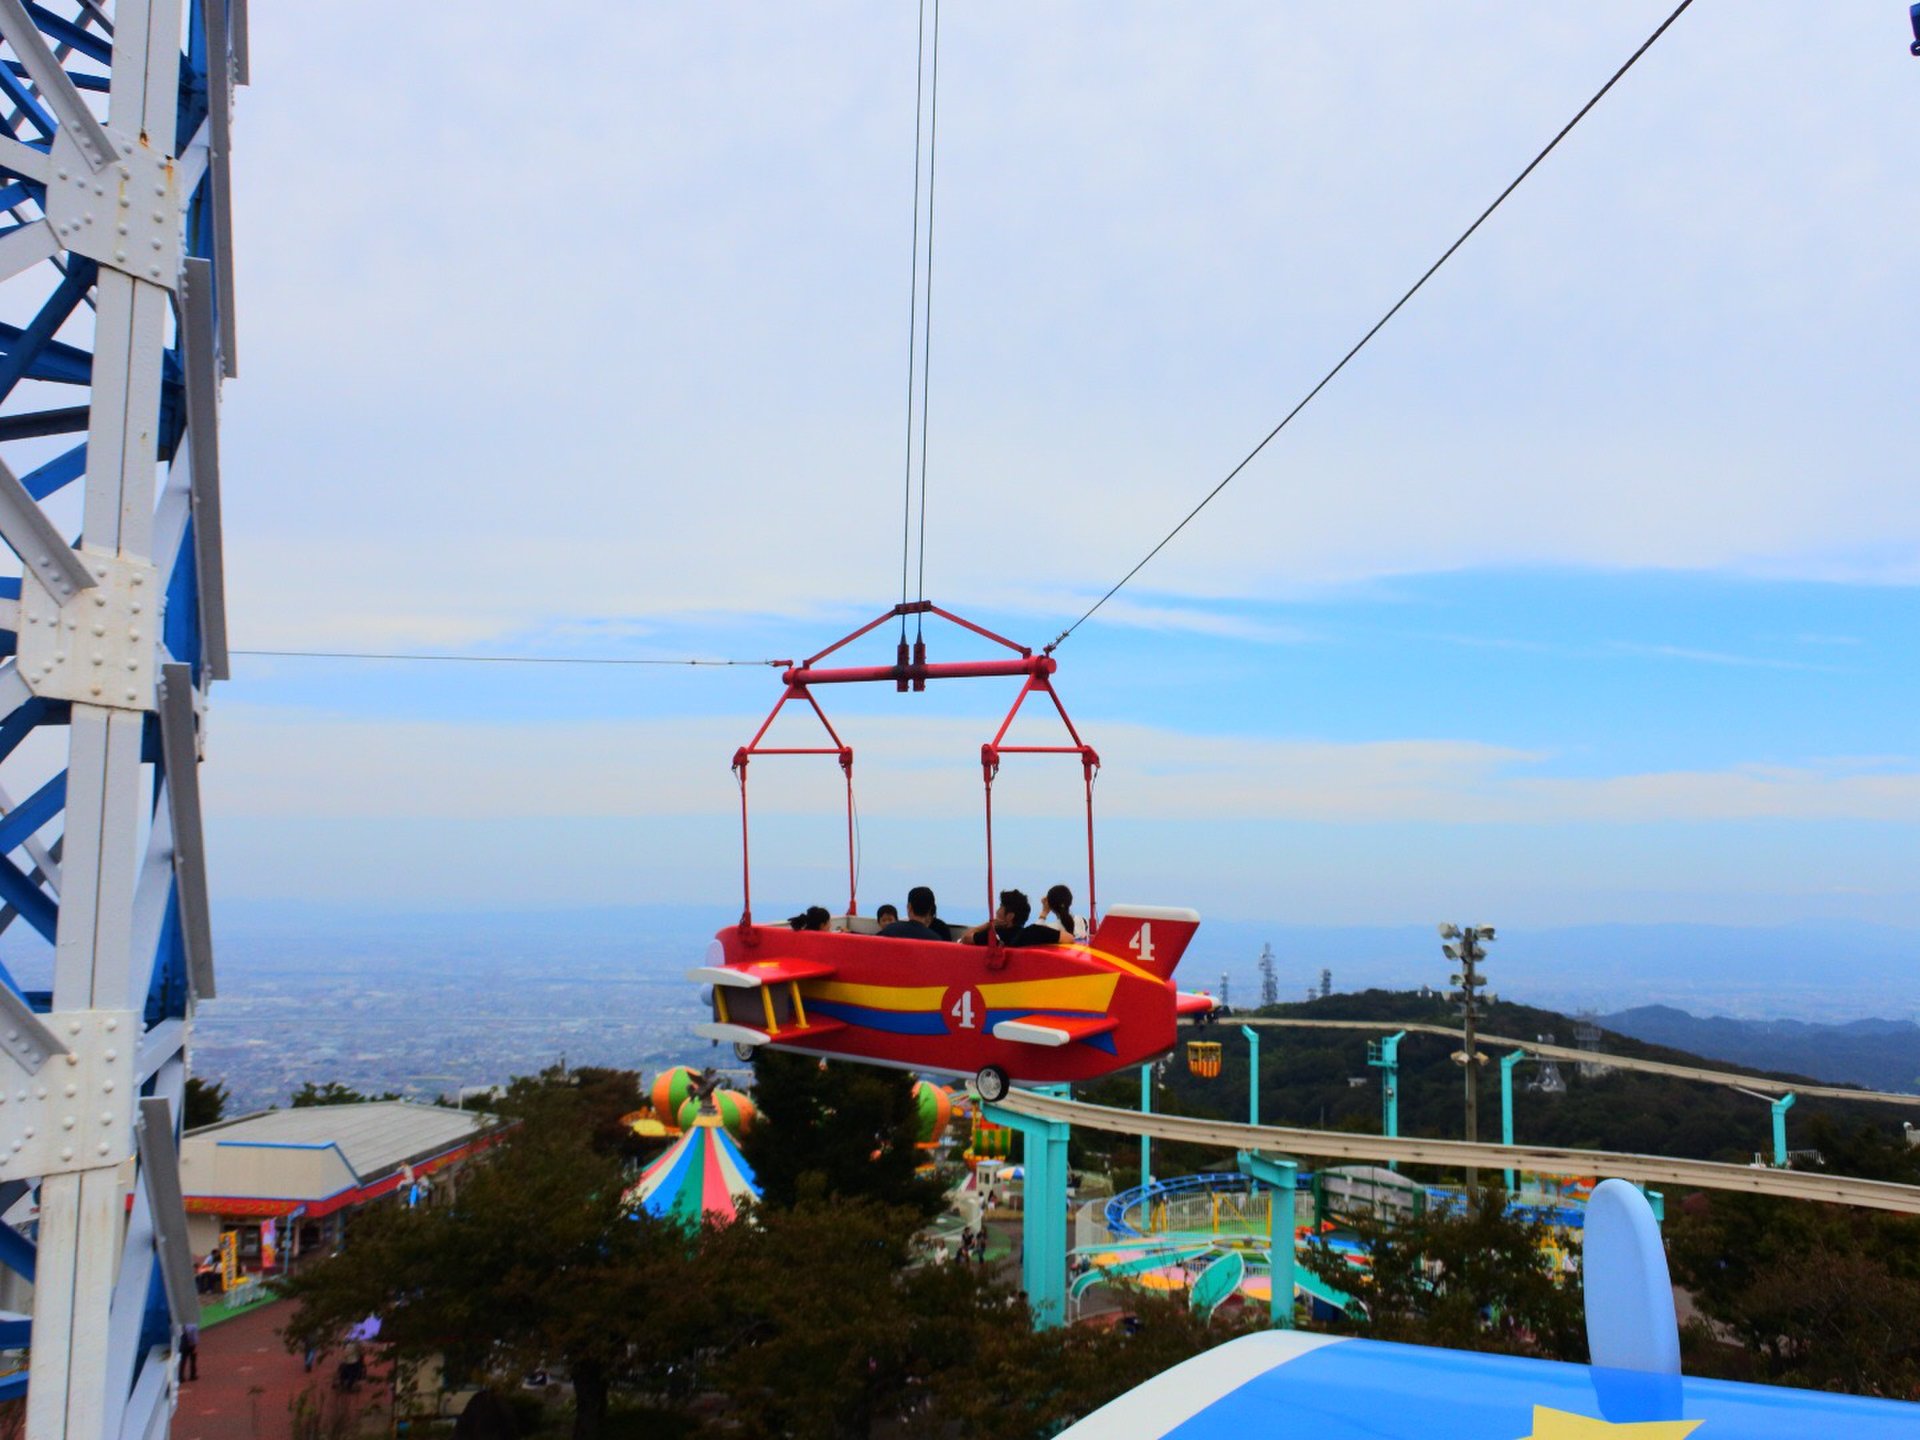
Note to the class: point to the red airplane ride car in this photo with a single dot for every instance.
(1038, 1015)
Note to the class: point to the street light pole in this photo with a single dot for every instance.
(1464, 948)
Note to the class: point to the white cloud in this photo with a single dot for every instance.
(611, 330)
(296, 765)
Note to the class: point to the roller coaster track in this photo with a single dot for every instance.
(1340, 1145)
(1614, 1062)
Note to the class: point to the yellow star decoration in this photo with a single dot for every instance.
(1559, 1425)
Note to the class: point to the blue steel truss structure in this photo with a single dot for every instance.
(116, 332)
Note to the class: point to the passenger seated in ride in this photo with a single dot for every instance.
(922, 922)
(1056, 913)
(1010, 924)
(815, 917)
(886, 915)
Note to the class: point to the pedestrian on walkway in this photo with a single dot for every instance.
(189, 1352)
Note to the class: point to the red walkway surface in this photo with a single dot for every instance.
(248, 1384)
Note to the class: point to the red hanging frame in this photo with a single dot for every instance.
(912, 670)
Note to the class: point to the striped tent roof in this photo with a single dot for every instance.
(702, 1173)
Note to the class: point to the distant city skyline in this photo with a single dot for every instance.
(1586, 595)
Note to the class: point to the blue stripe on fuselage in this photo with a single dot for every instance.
(892, 1022)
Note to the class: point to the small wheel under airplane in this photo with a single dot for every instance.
(992, 1083)
(742, 1051)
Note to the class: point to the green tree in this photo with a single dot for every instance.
(826, 1332)
(535, 1262)
(999, 1379)
(1474, 1279)
(206, 1102)
(835, 1129)
(334, 1093)
(1816, 1295)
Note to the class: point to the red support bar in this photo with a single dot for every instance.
(871, 625)
(1032, 666)
(1034, 670)
(981, 631)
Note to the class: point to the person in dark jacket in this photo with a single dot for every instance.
(923, 921)
(1010, 924)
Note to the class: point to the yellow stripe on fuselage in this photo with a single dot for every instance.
(877, 997)
(1126, 965)
(1065, 992)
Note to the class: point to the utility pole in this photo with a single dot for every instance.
(1464, 948)
(1269, 979)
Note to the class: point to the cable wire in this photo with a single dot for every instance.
(495, 659)
(913, 316)
(1378, 325)
(926, 330)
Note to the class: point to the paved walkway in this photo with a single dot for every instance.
(249, 1384)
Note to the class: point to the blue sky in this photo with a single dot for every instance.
(1588, 593)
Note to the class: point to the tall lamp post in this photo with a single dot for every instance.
(1465, 948)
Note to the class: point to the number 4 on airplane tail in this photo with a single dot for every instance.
(1154, 937)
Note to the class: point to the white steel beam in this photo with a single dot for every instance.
(91, 1377)
(50, 79)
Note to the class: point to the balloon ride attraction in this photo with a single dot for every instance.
(995, 1012)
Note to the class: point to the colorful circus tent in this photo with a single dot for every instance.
(701, 1173)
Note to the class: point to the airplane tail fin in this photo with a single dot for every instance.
(1154, 937)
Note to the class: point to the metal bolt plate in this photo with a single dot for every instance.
(77, 1112)
(128, 217)
(98, 647)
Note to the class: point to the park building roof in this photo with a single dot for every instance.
(323, 1157)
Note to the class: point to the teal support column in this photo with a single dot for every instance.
(1780, 1108)
(1281, 1177)
(1043, 1221)
(1657, 1203)
(1384, 1054)
(1507, 1062)
(1146, 1108)
(1253, 1074)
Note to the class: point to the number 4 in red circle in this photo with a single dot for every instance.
(964, 1009)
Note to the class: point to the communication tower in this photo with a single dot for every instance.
(1326, 983)
(1586, 1036)
(1547, 1079)
(1269, 978)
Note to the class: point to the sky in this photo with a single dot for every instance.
(1587, 594)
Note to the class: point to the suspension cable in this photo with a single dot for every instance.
(452, 659)
(1379, 324)
(913, 314)
(926, 330)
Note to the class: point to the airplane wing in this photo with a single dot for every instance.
(733, 1034)
(1188, 1003)
(1054, 1030)
(760, 972)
